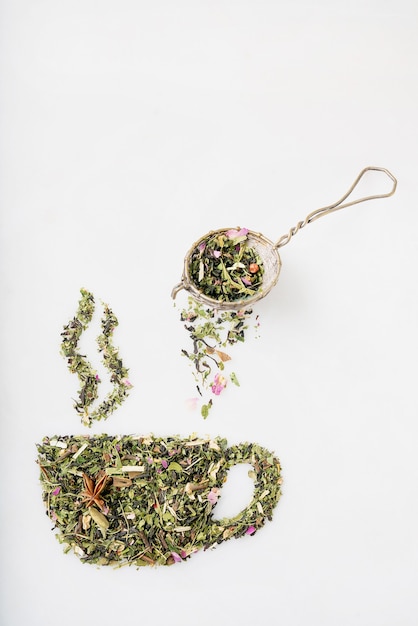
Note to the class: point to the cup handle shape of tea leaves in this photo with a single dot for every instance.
(135, 500)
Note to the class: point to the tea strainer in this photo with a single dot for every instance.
(268, 251)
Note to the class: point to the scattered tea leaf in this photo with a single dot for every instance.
(210, 331)
(234, 379)
(205, 409)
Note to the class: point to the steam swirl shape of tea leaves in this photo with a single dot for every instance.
(78, 364)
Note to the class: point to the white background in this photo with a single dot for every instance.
(128, 130)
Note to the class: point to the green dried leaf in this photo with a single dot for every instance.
(205, 410)
(176, 467)
(234, 379)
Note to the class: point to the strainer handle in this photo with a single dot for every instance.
(176, 289)
(336, 206)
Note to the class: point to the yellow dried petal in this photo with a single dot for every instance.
(86, 519)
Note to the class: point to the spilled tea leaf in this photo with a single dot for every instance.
(211, 333)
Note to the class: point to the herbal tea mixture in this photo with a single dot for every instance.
(210, 332)
(224, 267)
(126, 500)
(133, 500)
(78, 364)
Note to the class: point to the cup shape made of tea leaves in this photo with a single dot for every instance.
(132, 500)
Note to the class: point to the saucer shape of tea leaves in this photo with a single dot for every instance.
(131, 500)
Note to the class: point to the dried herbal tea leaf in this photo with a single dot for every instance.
(78, 364)
(234, 379)
(225, 267)
(210, 333)
(205, 409)
(163, 512)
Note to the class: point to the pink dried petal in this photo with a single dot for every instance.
(164, 463)
(213, 496)
(217, 254)
(233, 233)
(56, 491)
(191, 403)
(176, 557)
(250, 530)
(218, 384)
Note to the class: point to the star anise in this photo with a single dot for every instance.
(93, 489)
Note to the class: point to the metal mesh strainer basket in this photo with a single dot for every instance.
(267, 251)
(263, 247)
